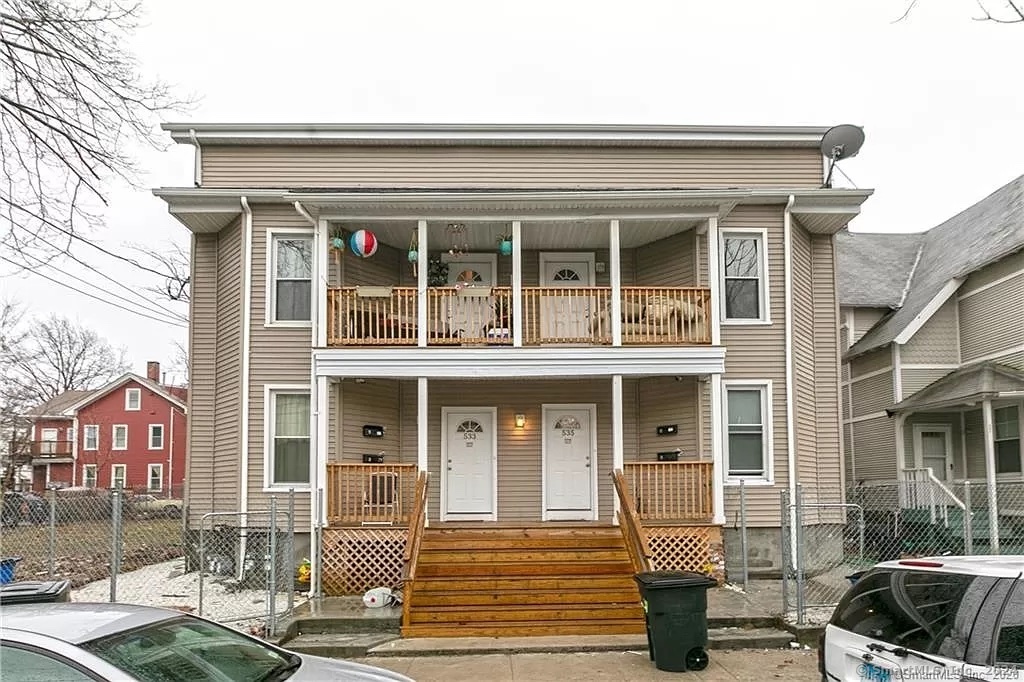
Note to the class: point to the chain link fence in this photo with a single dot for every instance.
(119, 546)
(829, 536)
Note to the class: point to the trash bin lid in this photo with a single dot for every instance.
(34, 591)
(661, 580)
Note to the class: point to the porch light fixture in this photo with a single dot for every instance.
(520, 421)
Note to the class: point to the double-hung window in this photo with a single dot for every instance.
(291, 278)
(744, 281)
(120, 437)
(1007, 427)
(156, 436)
(92, 437)
(133, 399)
(748, 431)
(155, 477)
(118, 475)
(288, 438)
(89, 475)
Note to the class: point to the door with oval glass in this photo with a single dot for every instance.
(565, 316)
(569, 463)
(468, 472)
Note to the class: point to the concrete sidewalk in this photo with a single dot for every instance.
(628, 666)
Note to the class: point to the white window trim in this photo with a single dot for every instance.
(150, 441)
(1013, 475)
(95, 478)
(149, 477)
(761, 234)
(269, 390)
(114, 468)
(765, 386)
(127, 400)
(271, 268)
(113, 436)
(85, 437)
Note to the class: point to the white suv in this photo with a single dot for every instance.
(943, 618)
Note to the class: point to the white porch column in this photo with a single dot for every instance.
(902, 484)
(422, 265)
(990, 472)
(618, 447)
(615, 275)
(714, 282)
(517, 284)
(319, 407)
(422, 425)
(717, 449)
(321, 276)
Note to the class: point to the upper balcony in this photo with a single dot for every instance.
(507, 284)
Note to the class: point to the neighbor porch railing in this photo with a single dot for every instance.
(672, 491)
(370, 494)
(921, 489)
(551, 315)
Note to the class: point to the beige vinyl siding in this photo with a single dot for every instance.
(844, 345)
(915, 379)
(975, 442)
(758, 352)
(950, 419)
(378, 401)
(872, 394)
(388, 267)
(1004, 267)
(871, 362)
(803, 359)
(668, 262)
(826, 430)
(850, 454)
(202, 394)
(992, 320)
(936, 341)
(662, 401)
(1015, 360)
(874, 443)
(864, 319)
(278, 355)
(507, 167)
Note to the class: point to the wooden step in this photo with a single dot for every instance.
(530, 613)
(500, 556)
(625, 626)
(497, 570)
(446, 584)
(547, 542)
(463, 598)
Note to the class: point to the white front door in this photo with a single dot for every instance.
(469, 464)
(570, 463)
(468, 316)
(933, 448)
(566, 317)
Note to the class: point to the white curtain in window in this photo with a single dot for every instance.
(291, 438)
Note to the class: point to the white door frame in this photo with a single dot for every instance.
(947, 429)
(569, 257)
(493, 515)
(551, 407)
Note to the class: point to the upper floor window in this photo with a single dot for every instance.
(744, 279)
(120, 437)
(1007, 426)
(156, 436)
(133, 399)
(92, 437)
(747, 446)
(291, 295)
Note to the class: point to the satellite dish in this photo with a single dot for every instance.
(840, 142)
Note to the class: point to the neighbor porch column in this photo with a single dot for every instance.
(422, 265)
(903, 484)
(615, 276)
(517, 283)
(618, 447)
(990, 473)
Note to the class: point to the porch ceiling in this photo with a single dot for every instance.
(482, 236)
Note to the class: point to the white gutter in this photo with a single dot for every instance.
(787, 231)
(243, 492)
(304, 213)
(197, 173)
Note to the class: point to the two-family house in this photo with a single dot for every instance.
(129, 434)
(933, 372)
(520, 337)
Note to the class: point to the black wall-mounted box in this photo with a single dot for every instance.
(373, 431)
(670, 456)
(668, 430)
(373, 459)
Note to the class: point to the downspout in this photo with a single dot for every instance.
(170, 451)
(197, 173)
(304, 213)
(243, 492)
(787, 236)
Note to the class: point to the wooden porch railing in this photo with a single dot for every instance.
(388, 316)
(361, 494)
(412, 544)
(672, 491)
(632, 529)
(46, 448)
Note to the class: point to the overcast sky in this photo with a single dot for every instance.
(940, 96)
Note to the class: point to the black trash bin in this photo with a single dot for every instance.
(35, 592)
(676, 608)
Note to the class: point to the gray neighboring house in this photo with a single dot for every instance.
(932, 325)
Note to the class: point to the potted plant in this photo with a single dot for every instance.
(437, 272)
(505, 245)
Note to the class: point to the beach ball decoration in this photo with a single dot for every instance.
(363, 243)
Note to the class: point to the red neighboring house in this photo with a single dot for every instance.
(129, 434)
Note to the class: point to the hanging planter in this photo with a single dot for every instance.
(505, 245)
(337, 239)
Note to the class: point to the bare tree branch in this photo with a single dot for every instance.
(1013, 11)
(72, 100)
(175, 262)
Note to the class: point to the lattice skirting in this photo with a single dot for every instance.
(688, 548)
(358, 559)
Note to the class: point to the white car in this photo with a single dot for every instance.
(941, 618)
(72, 642)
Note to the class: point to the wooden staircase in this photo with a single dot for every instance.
(522, 581)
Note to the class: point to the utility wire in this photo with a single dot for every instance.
(174, 314)
(86, 293)
(90, 284)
